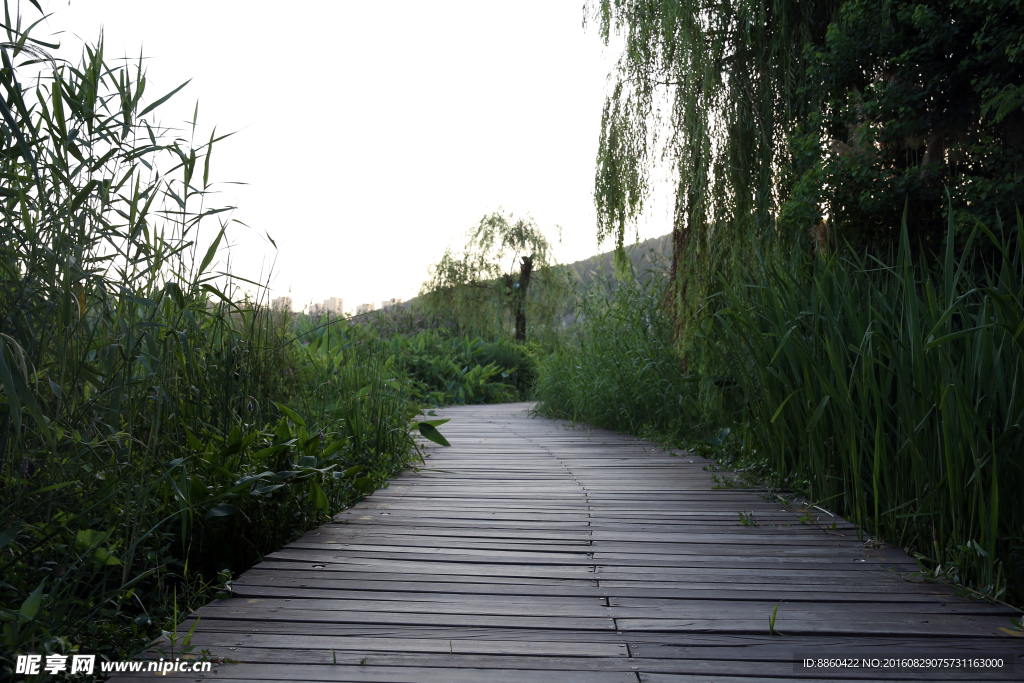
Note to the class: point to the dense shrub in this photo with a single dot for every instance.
(892, 393)
(147, 447)
(889, 393)
(617, 366)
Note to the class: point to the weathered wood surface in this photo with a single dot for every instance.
(532, 551)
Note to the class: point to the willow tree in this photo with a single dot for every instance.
(505, 271)
(712, 89)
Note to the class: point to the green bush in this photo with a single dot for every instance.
(889, 393)
(617, 366)
(147, 450)
(443, 367)
(892, 394)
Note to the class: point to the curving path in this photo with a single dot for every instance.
(534, 552)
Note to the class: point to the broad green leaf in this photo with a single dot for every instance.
(291, 414)
(210, 253)
(430, 432)
(7, 536)
(318, 496)
(30, 607)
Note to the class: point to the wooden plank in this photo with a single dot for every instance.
(454, 617)
(534, 551)
(544, 648)
(241, 673)
(904, 626)
(290, 588)
(458, 604)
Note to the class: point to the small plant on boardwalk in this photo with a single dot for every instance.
(771, 622)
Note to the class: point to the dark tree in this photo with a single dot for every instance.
(503, 256)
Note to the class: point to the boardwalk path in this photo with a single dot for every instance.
(530, 551)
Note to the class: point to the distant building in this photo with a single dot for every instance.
(387, 303)
(282, 303)
(330, 306)
(333, 306)
(365, 308)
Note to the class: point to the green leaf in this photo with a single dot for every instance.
(353, 471)
(211, 252)
(783, 405)
(318, 496)
(52, 487)
(430, 432)
(333, 447)
(82, 195)
(105, 557)
(7, 536)
(88, 538)
(817, 413)
(273, 450)
(209, 152)
(193, 443)
(291, 414)
(30, 607)
(162, 100)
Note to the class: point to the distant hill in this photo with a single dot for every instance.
(651, 254)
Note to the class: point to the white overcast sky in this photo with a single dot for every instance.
(370, 135)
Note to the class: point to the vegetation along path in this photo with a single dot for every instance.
(534, 551)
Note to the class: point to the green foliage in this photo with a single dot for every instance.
(617, 366)
(911, 99)
(504, 276)
(441, 368)
(886, 392)
(775, 116)
(156, 435)
(712, 90)
(890, 392)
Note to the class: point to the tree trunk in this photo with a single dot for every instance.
(519, 297)
(675, 295)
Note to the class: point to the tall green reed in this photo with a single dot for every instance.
(617, 365)
(892, 393)
(889, 391)
(147, 446)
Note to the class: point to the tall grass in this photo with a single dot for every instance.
(617, 366)
(893, 394)
(147, 447)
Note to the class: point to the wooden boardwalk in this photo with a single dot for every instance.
(534, 552)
